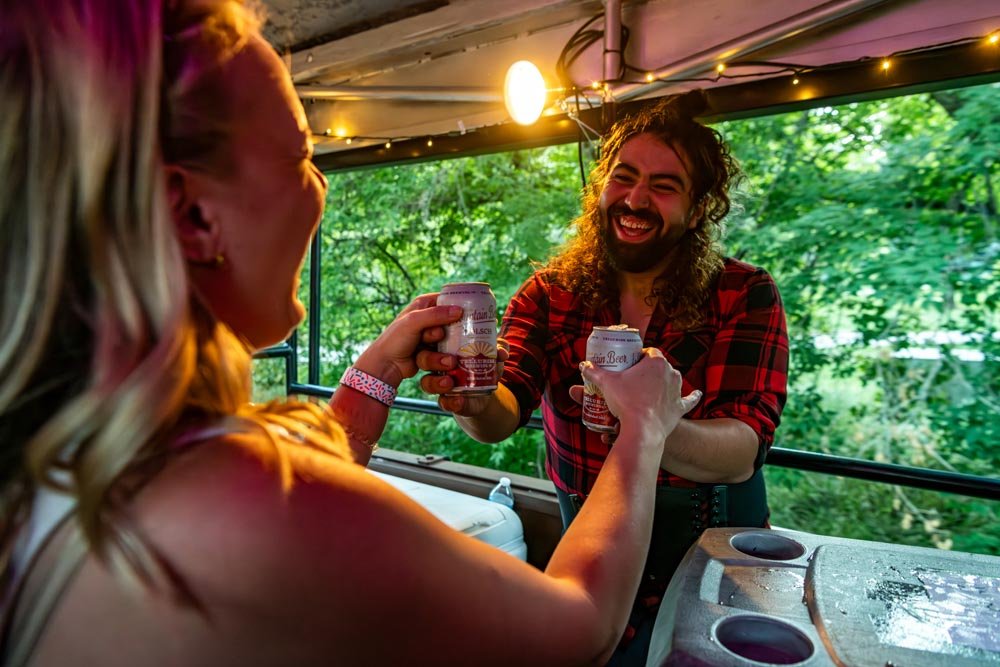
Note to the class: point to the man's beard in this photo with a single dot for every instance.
(636, 257)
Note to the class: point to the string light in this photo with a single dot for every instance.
(885, 65)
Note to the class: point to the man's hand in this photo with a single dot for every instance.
(437, 382)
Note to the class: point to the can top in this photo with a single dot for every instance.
(461, 290)
(618, 328)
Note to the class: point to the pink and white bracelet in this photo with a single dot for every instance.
(369, 385)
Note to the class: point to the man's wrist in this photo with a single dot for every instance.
(495, 419)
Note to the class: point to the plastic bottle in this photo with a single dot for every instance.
(502, 493)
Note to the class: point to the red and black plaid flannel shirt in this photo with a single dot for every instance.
(738, 357)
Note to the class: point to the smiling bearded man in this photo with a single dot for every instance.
(685, 258)
(644, 254)
(635, 234)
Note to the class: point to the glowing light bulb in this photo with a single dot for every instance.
(341, 132)
(994, 38)
(650, 77)
(349, 140)
(886, 64)
(524, 92)
(720, 68)
(795, 81)
(388, 145)
(430, 142)
(328, 132)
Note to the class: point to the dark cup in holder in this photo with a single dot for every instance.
(766, 640)
(767, 544)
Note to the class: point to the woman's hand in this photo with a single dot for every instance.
(647, 395)
(418, 327)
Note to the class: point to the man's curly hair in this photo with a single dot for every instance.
(583, 265)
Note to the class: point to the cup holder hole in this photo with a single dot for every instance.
(764, 640)
(772, 546)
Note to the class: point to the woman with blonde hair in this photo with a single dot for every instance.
(157, 195)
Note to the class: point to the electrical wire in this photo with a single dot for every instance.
(585, 36)
(580, 41)
(797, 69)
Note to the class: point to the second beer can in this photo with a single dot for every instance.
(473, 338)
(613, 348)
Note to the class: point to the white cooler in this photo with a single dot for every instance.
(482, 519)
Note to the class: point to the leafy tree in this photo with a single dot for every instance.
(879, 222)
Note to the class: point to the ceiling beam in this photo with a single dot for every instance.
(456, 27)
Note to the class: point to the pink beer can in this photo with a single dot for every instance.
(473, 338)
(613, 348)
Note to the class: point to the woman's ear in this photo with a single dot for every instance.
(199, 233)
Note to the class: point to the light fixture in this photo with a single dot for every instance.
(720, 68)
(886, 64)
(994, 38)
(348, 141)
(430, 142)
(650, 77)
(524, 92)
(795, 81)
(388, 144)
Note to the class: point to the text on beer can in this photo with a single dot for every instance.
(473, 338)
(613, 348)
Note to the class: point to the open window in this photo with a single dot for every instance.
(869, 132)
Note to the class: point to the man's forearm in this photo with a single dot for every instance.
(711, 451)
(498, 419)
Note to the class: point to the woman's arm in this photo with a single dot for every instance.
(346, 569)
(391, 359)
(439, 594)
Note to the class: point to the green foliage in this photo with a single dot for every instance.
(392, 234)
(879, 222)
(268, 380)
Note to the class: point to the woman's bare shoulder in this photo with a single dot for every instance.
(258, 558)
(233, 487)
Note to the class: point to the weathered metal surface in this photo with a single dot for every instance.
(749, 597)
